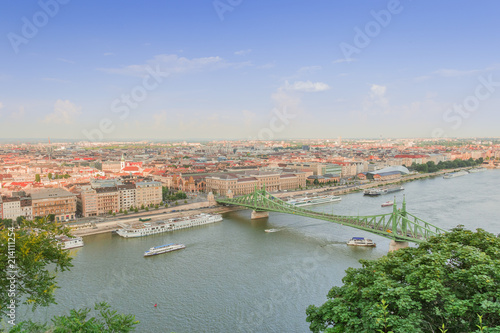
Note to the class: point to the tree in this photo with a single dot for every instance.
(106, 320)
(34, 256)
(49, 175)
(37, 178)
(316, 182)
(125, 212)
(51, 217)
(452, 279)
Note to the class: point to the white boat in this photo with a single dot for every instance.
(455, 174)
(67, 243)
(474, 170)
(152, 228)
(314, 200)
(271, 230)
(361, 241)
(163, 249)
(388, 203)
(383, 190)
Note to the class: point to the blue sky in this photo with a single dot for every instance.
(248, 69)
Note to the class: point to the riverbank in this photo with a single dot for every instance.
(107, 225)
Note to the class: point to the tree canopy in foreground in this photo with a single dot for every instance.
(449, 284)
(29, 258)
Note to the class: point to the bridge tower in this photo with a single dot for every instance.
(259, 214)
(395, 245)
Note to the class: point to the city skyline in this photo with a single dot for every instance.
(247, 70)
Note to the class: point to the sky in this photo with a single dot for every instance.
(241, 69)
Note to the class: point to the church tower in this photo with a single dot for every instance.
(122, 164)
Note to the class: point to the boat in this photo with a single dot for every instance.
(361, 241)
(271, 230)
(388, 203)
(156, 227)
(306, 201)
(383, 190)
(474, 170)
(67, 243)
(164, 249)
(455, 174)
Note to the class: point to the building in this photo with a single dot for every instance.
(108, 200)
(27, 208)
(11, 207)
(246, 182)
(127, 196)
(86, 203)
(56, 201)
(1, 207)
(148, 193)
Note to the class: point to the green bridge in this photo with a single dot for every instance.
(399, 226)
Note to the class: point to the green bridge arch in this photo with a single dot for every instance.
(399, 225)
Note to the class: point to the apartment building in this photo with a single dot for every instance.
(87, 203)
(55, 201)
(27, 208)
(108, 200)
(127, 194)
(148, 193)
(11, 207)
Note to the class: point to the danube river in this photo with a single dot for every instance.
(233, 276)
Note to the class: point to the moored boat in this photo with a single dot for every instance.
(306, 201)
(163, 249)
(474, 170)
(361, 241)
(455, 174)
(152, 228)
(67, 243)
(383, 190)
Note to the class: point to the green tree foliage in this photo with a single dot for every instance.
(34, 255)
(105, 320)
(433, 167)
(37, 178)
(49, 175)
(453, 279)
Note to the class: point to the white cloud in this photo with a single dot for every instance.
(307, 86)
(167, 64)
(341, 60)
(243, 52)
(64, 113)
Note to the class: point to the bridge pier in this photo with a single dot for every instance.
(259, 214)
(396, 245)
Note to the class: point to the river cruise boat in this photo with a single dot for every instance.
(383, 190)
(361, 241)
(474, 170)
(455, 174)
(156, 227)
(306, 201)
(163, 249)
(67, 243)
(388, 203)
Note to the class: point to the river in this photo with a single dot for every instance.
(234, 277)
